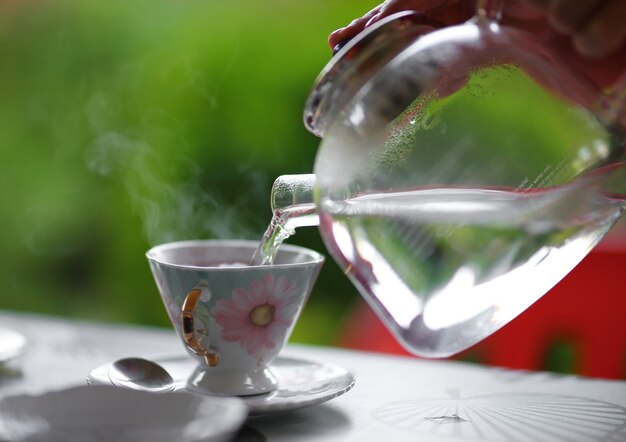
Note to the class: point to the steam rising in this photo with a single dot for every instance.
(167, 189)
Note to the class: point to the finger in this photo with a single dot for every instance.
(605, 32)
(349, 31)
(567, 16)
(381, 11)
(425, 7)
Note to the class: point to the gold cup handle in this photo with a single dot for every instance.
(189, 332)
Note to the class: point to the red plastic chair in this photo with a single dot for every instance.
(586, 312)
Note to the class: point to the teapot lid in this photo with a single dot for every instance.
(357, 61)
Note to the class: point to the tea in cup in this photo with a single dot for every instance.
(232, 317)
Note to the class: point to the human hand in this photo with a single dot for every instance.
(447, 12)
(597, 27)
(589, 34)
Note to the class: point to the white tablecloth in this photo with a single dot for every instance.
(395, 398)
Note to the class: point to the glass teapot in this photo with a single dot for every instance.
(462, 173)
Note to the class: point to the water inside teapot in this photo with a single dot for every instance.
(451, 265)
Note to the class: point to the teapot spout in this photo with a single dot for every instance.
(293, 201)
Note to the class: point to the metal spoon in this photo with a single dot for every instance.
(140, 374)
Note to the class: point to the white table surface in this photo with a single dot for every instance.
(395, 398)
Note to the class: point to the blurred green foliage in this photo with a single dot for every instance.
(127, 124)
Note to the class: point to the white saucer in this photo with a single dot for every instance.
(301, 383)
(12, 345)
(107, 413)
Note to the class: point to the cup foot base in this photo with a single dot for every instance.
(229, 383)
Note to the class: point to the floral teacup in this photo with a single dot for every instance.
(232, 317)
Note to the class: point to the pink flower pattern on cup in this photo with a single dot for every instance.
(258, 318)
